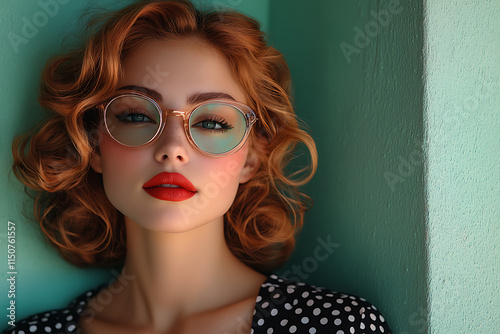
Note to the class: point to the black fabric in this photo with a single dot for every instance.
(282, 306)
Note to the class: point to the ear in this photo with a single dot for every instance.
(251, 166)
(96, 162)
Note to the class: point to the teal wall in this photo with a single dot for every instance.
(364, 107)
(462, 119)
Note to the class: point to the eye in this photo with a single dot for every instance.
(134, 117)
(216, 124)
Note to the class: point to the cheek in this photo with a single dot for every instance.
(118, 167)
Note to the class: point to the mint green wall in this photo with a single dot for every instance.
(462, 119)
(364, 107)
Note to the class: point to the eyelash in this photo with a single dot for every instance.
(132, 112)
(222, 122)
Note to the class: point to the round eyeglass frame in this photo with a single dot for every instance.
(246, 111)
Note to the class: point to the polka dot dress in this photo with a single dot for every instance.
(282, 306)
(289, 307)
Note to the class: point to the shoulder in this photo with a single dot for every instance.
(305, 308)
(63, 320)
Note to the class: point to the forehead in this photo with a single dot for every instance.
(180, 67)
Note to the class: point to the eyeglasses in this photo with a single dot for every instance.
(215, 127)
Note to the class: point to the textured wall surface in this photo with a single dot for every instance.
(462, 118)
(357, 71)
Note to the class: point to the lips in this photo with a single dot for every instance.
(170, 187)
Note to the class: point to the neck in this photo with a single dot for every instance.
(181, 274)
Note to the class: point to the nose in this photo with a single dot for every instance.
(172, 146)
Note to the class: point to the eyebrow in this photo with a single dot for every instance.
(192, 99)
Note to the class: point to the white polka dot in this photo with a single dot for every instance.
(65, 311)
(259, 298)
(260, 322)
(283, 322)
(354, 303)
(339, 301)
(47, 329)
(32, 328)
(362, 325)
(273, 276)
(351, 318)
(337, 321)
(347, 309)
(352, 330)
(251, 332)
(298, 311)
(373, 327)
(327, 305)
(319, 297)
(271, 289)
(44, 319)
(373, 316)
(69, 317)
(362, 310)
(310, 302)
(335, 312)
(381, 318)
(323, 321)
(362, 299)
(305, 294)
(288, 306)
(47, 314)
(316, 311)
(265, 304)
(270, 331)
(58, 325)
(381, 329)
(293, 329)
(276, 295)
(21, 332)
(71, 327)
(340, 332)
(295, 301)
(274, 312)
(304, 320)
(290, 290)
(312, 330)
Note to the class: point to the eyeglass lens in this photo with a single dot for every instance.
(215, 128)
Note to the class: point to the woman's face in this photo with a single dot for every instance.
(177, 71)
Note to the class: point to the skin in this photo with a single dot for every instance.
(179, 275)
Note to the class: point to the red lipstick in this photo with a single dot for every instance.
(170, 187)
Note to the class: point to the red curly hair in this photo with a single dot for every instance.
(71, 206)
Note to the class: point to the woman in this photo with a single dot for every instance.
(167, 152)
